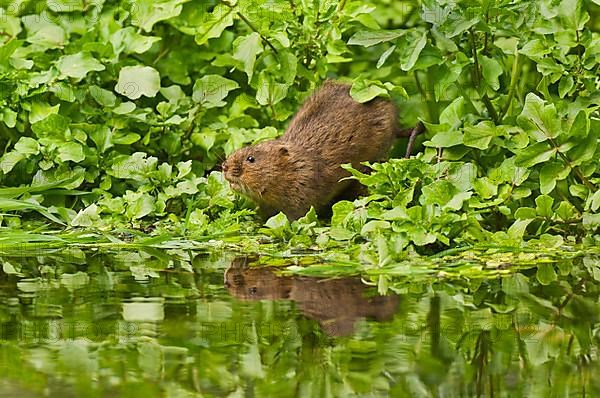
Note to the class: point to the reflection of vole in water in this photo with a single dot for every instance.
(335, 303)
(302, 168)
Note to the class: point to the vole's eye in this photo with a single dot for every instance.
(250, 159)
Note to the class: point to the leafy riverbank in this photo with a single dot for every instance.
(115, 115)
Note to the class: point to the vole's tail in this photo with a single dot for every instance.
(411, 133)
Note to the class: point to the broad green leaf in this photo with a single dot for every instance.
(269, 91)
(135, 81)
(546, 274)
(78, 65)
(210, 90)
(146, 13)
(41, 110)
(370, 38)
(535, 49)
(491, 70)
(550, 173)
(214, 24)
(591, 221)
(245, 50)
(534, 154)
(544, 206)
(70, 151)
(102, 137)
(128, 41)
(447, 139)
(566, 211)
(565, 86)
(410, 51)
(584, 149)
(480, 135)
(453, 113)
(102, 96)
(515, 284)
(86, 217)
(138, 204)
(364, 91)
(517, 229)
(594, 201)
(43, 32)
(27, 146)
(540, 120)
(9, 160)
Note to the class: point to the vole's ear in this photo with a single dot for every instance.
(283, 151)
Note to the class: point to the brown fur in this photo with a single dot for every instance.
(302, 168)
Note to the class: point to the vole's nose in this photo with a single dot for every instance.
(224, 167)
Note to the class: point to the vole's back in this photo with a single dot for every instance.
(340, 130)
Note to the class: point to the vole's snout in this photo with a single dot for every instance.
(224, 167)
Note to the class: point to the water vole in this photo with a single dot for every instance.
(301, 168)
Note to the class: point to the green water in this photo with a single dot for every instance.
(178, 324)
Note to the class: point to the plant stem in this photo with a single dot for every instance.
(243, 18)
(513, 86)
(486, 100)
(428, 101)
(567, 161)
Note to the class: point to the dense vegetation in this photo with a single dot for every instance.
(116, 114)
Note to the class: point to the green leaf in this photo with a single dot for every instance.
(491, 70)
(340, 211)
(9, 160)
(370, 38)
(446, 139)
(86, 217)
(515, 284)
(525, 213)
(43, 33)
(566, 211)
(138, 204)
(517, 229)
(410, 51)
(146, 13)
(546, 274)
(135, 81)
(78, 65)
(27, 146)
(544, 206)
(534, 154)
(585, 148)
(591, 221)
(70, 151)
(386, 54)
(214, 23)
(480, 135)
(41, 110)
(541, 121)
(453, 113)
(565, 85)
(210, 90)
(102, 137)
(364, 91)
(128, 41)
(550, 173)
(245, 50)
(102, 96)
(269, 91)
(594, 201)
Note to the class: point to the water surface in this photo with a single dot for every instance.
(177, 323)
